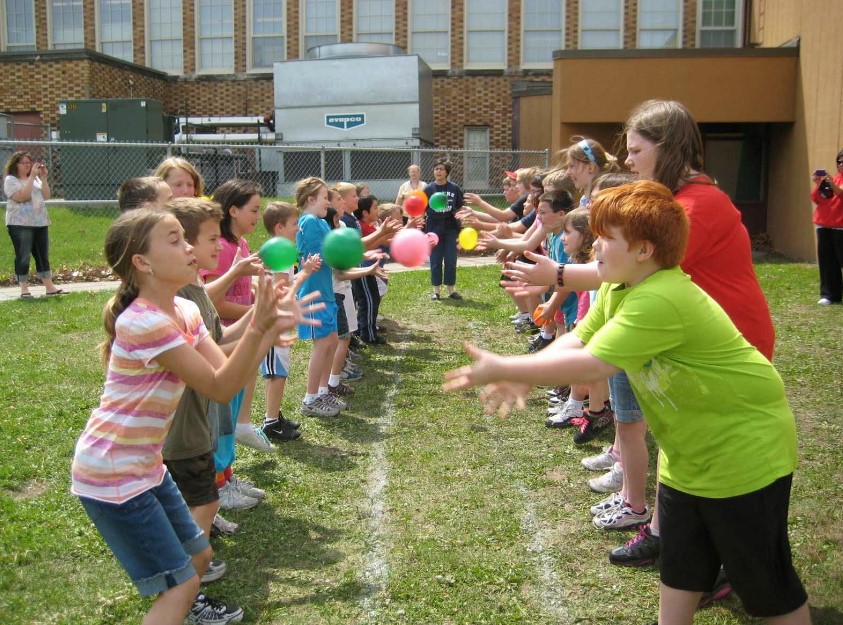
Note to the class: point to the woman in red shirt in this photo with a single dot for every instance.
(828, 218)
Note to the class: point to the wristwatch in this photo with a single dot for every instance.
(560, 275)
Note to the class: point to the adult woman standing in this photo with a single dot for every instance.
(26, 188)
(828, 218)
(413, 184)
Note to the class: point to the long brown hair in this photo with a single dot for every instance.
(11, 168)
(670, 126)
(127, 236)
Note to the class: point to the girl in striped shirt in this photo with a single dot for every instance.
(156, 343)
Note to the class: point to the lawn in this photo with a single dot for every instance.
(412, 507)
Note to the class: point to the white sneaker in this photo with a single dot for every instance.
(609, 482)
(232, 499)
(824, 301)
(561, 417)
(514, 317)
(224, 526)
(601, 462)
(216, 569)
(621, 517)
(207, 611)
(319, 408)
(604, 505)
(246, 488)
(247, 434)
(334, 400)
(522, 318)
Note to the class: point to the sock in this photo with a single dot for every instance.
(267, 420)
(547, 335)
(309, 398)
(334, 380)
(323, 390)
(575, 403)
(653, 532)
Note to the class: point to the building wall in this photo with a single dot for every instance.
(816, 135)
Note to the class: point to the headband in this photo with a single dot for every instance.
(588, 151)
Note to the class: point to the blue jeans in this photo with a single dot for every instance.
(30, 241)
(445, 250)
(153, 536)
(624, 402)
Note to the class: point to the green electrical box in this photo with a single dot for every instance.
(96, 172)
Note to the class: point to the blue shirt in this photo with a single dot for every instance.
(437, 220)
(556, 252)
(309, 239)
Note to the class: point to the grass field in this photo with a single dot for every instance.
(413, 507)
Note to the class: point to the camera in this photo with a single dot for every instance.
(820, 172)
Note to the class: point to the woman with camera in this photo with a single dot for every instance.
(828, 218)
(26, 189)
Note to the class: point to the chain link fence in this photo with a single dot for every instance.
(86, 176)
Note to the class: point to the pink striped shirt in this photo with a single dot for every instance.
(118, 455)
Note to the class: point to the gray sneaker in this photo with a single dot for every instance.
(319, 408)
(216, 569)
(246, 488)
(334, 400)
(609, 482)
(601, 462)
(232, 499)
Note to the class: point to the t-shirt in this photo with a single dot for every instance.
(719, 260)
(406, 189)
(190, 434)
(444, 219)
(529, 219)
(715, 404)
(343, 287)
(240, 292)
(555, 250)
(828, 213)
(309, 238)
(517, 207)
(33, 212)
(118, 455)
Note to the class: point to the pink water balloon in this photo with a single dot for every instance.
(410, 247)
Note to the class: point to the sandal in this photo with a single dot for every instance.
(58, 292)
(26, 295)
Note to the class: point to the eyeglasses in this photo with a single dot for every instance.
(839, 163)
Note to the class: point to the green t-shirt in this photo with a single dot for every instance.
(190, 434)
(715, 404)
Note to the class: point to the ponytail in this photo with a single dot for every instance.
(120, 301)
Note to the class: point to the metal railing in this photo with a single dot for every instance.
(87, 175)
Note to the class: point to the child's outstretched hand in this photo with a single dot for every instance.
(248, 266)
(374, 255)
(542, 273)
(378, 271)
(390, 226)
(312, 264)
(415, 222)
(265, 313)
(298, 310)
(487, 370)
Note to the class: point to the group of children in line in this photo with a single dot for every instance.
(693, 348)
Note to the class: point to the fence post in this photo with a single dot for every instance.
(322, 162)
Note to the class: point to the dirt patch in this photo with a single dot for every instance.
(30, 490)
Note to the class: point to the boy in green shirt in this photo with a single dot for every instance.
(715, 406)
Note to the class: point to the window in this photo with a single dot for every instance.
(20, 25)
(166, 48)
(543, 28)
(476, 163)
(269, 43)
(320, 23)
(115, 28)
(658, 24)
(485, 39)
(719, 22)
(600, 24)
(216, 35)
(66, 24)
(375, 20)
(430, 29)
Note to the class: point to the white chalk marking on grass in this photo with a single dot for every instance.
(376, 563)
(551, 592)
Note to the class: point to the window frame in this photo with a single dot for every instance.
(51, 43)
(148, 40)
(679, 34)
(357, 21)
(4, 31)
(620, 28)
(738, 28)
(505, 49)
(482, 154)
(303, 34)
(198, 40)
(97, 27)
(250, 36)
(410, 33)
(534, 64)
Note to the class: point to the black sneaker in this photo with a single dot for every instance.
(207, 611)
(356, 343)
(289, 422)
(722, 589)
(455, 296)
(378, 340)
(279, 430)
(642, 550)
(592, 424)
(539, 344)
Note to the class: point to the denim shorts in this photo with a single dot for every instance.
(152, 535)
(328, 317)
(624, 402)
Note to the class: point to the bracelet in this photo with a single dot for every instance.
(560, 275)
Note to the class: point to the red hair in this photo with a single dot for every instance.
(644, 211)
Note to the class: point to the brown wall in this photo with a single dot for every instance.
(534, 121)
